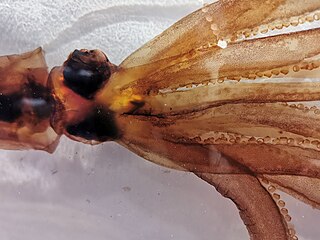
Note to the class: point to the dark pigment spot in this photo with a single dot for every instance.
(32, 99)
(39, 98)
(10, 109)
(99, 126)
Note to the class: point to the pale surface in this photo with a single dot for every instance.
(105, 192)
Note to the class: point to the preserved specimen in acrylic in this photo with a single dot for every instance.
(229, 93)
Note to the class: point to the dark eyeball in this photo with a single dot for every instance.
(85, 72)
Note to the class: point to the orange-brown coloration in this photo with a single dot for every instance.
(215, 96)
(70, 107)
(23, 80)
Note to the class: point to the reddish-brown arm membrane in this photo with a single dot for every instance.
(237, 107)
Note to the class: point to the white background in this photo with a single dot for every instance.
(105, 192)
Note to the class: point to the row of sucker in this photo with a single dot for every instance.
(213, 27)
(303, 108)
(250, 75)
(272, 190)
(244, 34)
(225, 138)
(276, 72)
(278, 25)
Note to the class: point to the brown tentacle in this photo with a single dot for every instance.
(257, 209)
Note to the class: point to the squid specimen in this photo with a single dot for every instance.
(229, 93)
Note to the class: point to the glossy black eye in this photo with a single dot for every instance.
(86, 71)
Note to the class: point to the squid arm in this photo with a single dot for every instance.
(213, 95)
(231, 104)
